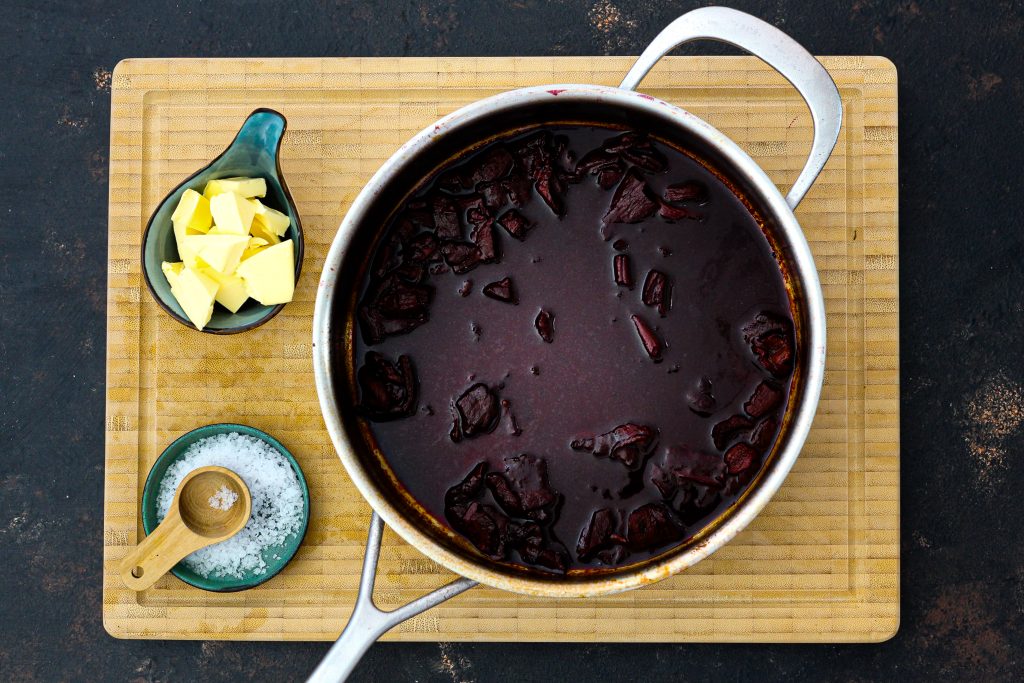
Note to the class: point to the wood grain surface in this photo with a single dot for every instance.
(821, 563)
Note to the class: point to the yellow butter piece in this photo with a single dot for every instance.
(231, 292)
(171, 270)
(272, 219)
(244, 187)
(256, 245)
(232, 213)
(220, 252)
(184, 252)
(261, 231)
(191, 217)
(195, 293)
(192, 212)
(270, 275)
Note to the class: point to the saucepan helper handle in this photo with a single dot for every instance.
(368, 622)
(778, 51)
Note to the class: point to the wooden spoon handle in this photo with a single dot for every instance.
(158, 553)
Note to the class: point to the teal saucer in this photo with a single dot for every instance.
(254, 153)
(283, 552)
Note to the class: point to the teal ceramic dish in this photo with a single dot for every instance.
(283, 552)
(253, 153)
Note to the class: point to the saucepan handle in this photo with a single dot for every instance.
(368, 622)
(778, 51)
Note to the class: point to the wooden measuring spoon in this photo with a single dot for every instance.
(193, 522)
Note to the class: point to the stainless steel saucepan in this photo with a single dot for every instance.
(333, 326)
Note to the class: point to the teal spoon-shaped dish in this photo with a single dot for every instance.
(254, 153)
(276, 557)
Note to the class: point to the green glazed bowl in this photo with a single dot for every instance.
(253, 153)
(284, 552)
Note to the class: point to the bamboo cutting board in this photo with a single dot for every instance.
(821, 563)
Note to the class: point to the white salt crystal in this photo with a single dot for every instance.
(223, 499)
(277, 502)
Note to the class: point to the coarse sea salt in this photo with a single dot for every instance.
(277, 502)
(223, 499)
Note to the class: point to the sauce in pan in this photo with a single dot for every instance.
(574, 347)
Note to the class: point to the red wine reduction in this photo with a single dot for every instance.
(574, 347)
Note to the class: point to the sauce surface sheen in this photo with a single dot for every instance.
(618, 391)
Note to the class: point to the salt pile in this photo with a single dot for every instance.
(277, 502)
(224, 499)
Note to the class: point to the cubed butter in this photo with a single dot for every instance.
(220, 252)
(256, 244)
(184, 252)
(263, 232)
(231, 292)
(195, 293)
(192, 212)
(270, 275)
(171, 270)
(232, 213)
(244, 187)
(274, 221)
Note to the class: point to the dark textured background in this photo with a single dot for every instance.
(961, 243)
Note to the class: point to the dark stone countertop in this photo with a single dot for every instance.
(962, 286)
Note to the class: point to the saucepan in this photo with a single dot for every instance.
(622, 106)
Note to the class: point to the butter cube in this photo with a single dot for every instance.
(232, 214)
(260, 230)
(272, 219)
(231, 292)
(171, 270)
(191, 217)
(244, 187)
(184, 252)
(256, 245)
(196, 293)
(215, 230)
(270, 275)
(220, 252)
(192, 212)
